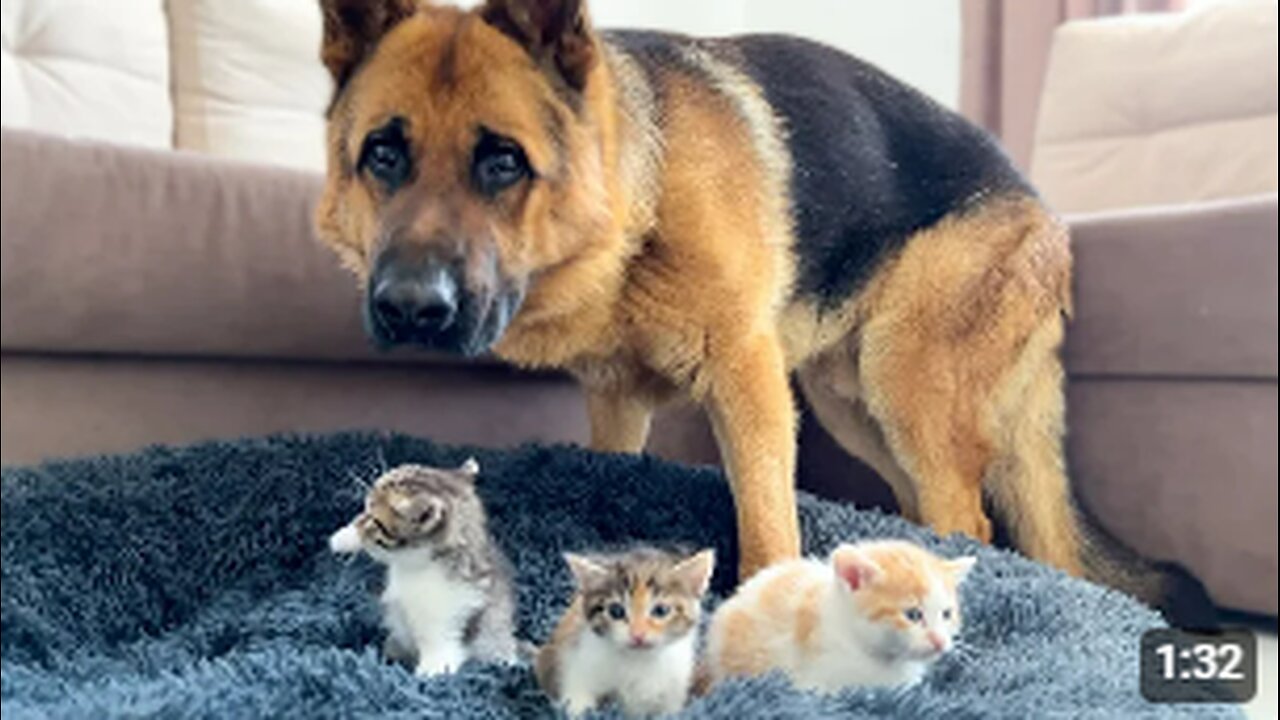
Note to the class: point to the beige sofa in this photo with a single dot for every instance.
(1158, 133)
(152, 296)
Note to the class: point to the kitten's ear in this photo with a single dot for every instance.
(960, 567)
(586, 572)
(855, 567)
(352, 29)
(422, 509)
(556, 34)
(694, 573)
(470, 468)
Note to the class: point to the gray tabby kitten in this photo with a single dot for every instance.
(448, 595)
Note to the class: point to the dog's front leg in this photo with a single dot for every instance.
(619, 420)
(750, 406)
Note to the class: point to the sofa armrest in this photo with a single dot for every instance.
(118, 250)
(1185, 291)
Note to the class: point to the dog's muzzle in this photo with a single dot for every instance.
(427, 304)
(408, 304)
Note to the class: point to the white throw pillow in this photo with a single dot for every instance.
(248, 82)
(87, 68)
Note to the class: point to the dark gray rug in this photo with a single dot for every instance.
(196, 583)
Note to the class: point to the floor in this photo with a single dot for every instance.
(1263, 705)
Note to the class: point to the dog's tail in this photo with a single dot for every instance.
(1165, 586)
(1049, 523)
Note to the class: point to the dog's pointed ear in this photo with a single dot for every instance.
(352, 29)
(556, 33)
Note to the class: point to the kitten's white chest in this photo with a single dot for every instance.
(428, 610)
(845, 657)
(428, 594)
(836, 668)
(644, 683)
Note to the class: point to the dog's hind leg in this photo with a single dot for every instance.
(619, 420)
(929, 420)
(946, 329)
(829, 384)
(1028, 481)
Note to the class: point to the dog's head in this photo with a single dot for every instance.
(464, 162)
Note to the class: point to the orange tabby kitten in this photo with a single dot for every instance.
(875, 613)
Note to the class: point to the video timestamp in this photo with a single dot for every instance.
(1180, 666)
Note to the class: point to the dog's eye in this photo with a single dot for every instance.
(385, 155)
(498, 164)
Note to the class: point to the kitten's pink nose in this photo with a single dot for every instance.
(639, 640)
(938, 642)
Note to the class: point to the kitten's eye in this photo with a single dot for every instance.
(946, 614)
(616, 611)
(913, 614)
(498, 163)
(428, 514)
(382, 536)
(385, 155)
(660, 610)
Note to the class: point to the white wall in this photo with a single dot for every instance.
(916, 40)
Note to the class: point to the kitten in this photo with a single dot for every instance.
(630, 633)
(448, 595)
(875, 613)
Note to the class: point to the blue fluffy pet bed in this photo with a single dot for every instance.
(196, 583)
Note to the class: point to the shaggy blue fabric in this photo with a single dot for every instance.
(196, 583)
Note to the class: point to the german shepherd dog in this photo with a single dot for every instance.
(661, 215)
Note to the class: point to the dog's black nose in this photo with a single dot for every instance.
(415, 304)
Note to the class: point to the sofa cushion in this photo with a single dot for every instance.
(1159, 109)
(1176, 292)
(1183, 470)
(119, 250)
(87, 68)
(248, 82)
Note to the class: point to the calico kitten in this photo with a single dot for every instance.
(448, 595)
(875, 613)
(630, 633)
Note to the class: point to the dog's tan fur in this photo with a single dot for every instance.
(663, 255)
(948, 381)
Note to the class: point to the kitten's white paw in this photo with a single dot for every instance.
(578, 704)
(439, 662)
(430, 666)
(662, 704)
